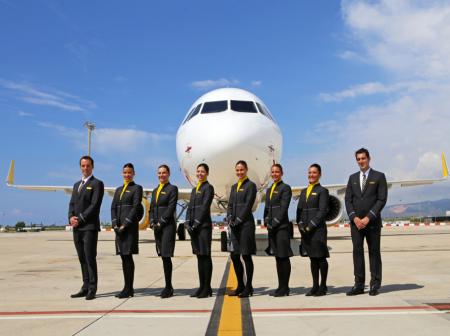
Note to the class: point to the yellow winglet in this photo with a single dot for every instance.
(10, 178)
(444, 166)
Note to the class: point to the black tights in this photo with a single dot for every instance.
(239, 269)
(283, 271)
(128, 271)
(319, 265)
(167, 264)
(205, 267)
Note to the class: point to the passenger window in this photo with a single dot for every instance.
(215, 106)
(243, 106)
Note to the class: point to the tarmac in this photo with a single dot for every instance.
(39, 271)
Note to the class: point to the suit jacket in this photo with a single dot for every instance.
(199, 208)
(276, 209)
(368, 202)
(315, 209)
(241, 203)
(163, 210)
(85, 205)
(127, 211)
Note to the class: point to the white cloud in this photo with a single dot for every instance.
(54, 98)
(208, 84)
(256, 83)
(24, 114)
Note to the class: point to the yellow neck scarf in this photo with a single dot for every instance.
(309, 189)
(240, 183)
(161, 185)
(274, 185)
(199, 184)
(125, 186)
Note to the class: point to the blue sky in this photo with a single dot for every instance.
(336, 76)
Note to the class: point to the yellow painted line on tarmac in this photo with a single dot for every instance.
(231, 317)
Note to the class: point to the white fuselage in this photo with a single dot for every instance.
(221, 139)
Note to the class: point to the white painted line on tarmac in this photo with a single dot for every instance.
(365, 313)
(91, 316)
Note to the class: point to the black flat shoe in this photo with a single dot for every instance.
(197, 292)
(81, 293)
(167, 293)
(205, 293)
(274, 293)
(313, 291)
(355, 291)
(373, 292)
(125, 294)
(282, 292)
(246, 293)
(236, 292)
(90, 296)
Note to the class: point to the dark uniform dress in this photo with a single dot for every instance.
(198, 217)
(127, 212)
(162, 211)
(240, 206)
(277, 219)
(312, 212)
(85, 204)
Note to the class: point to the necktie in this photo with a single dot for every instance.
(364, 183)
(81, 185)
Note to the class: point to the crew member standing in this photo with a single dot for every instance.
(276, 218)
(242, 224)
(365, 197)
(199, 224)
(126, 212)
(162, 220)
(84, 217)
(312, 209)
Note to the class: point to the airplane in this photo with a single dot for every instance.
(221, 127)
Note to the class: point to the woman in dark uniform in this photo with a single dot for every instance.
(162, 220)
(199, 224)
(126, 212)
(242, 225)
(276, 218)
(311, 211)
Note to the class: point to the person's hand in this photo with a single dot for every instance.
(121, 229)
(357, 222)
(73, 221)
(365, 221)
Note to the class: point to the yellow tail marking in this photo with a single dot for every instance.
(231, 317)
(10, 179)
(444, 166)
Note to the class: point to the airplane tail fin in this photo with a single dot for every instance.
(10, 178)
(444, 167)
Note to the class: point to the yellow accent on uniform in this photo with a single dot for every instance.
(309, 189)
(199, 184)
(125, 186)
(274, 185)
(240, 183)
(444, 166)
(161, 185)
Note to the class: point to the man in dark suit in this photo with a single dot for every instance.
(365, 197)
(84, 217)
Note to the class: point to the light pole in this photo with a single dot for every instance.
(90, 127)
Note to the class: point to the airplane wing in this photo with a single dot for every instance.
(183, 194)
(339, 189)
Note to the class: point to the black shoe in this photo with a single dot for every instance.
(373, 291)
(274, 293)
(81, 293)
(90, 295)
(120, 293)
(205, 293)
(313, 291)
(248, 291)
(355, 291)
(237, 292)
(125, 294)
(282, 292)
(167, 293)
(322, 291)
(197, 292)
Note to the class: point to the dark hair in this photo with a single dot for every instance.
(317, 166)
(243, 163)
(166, 167)
(87, 157)
(128, 165)
(278, 166)
(204, 165)
(362, 151)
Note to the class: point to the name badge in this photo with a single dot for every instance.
(241, 189)
(88, 188)
(314, 194)
(127, 191)
(371, 182)
(275, 192)
(163, 192)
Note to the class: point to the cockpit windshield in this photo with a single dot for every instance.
(193, 113)
(215, 106)
(264, 111)
(243, 106)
